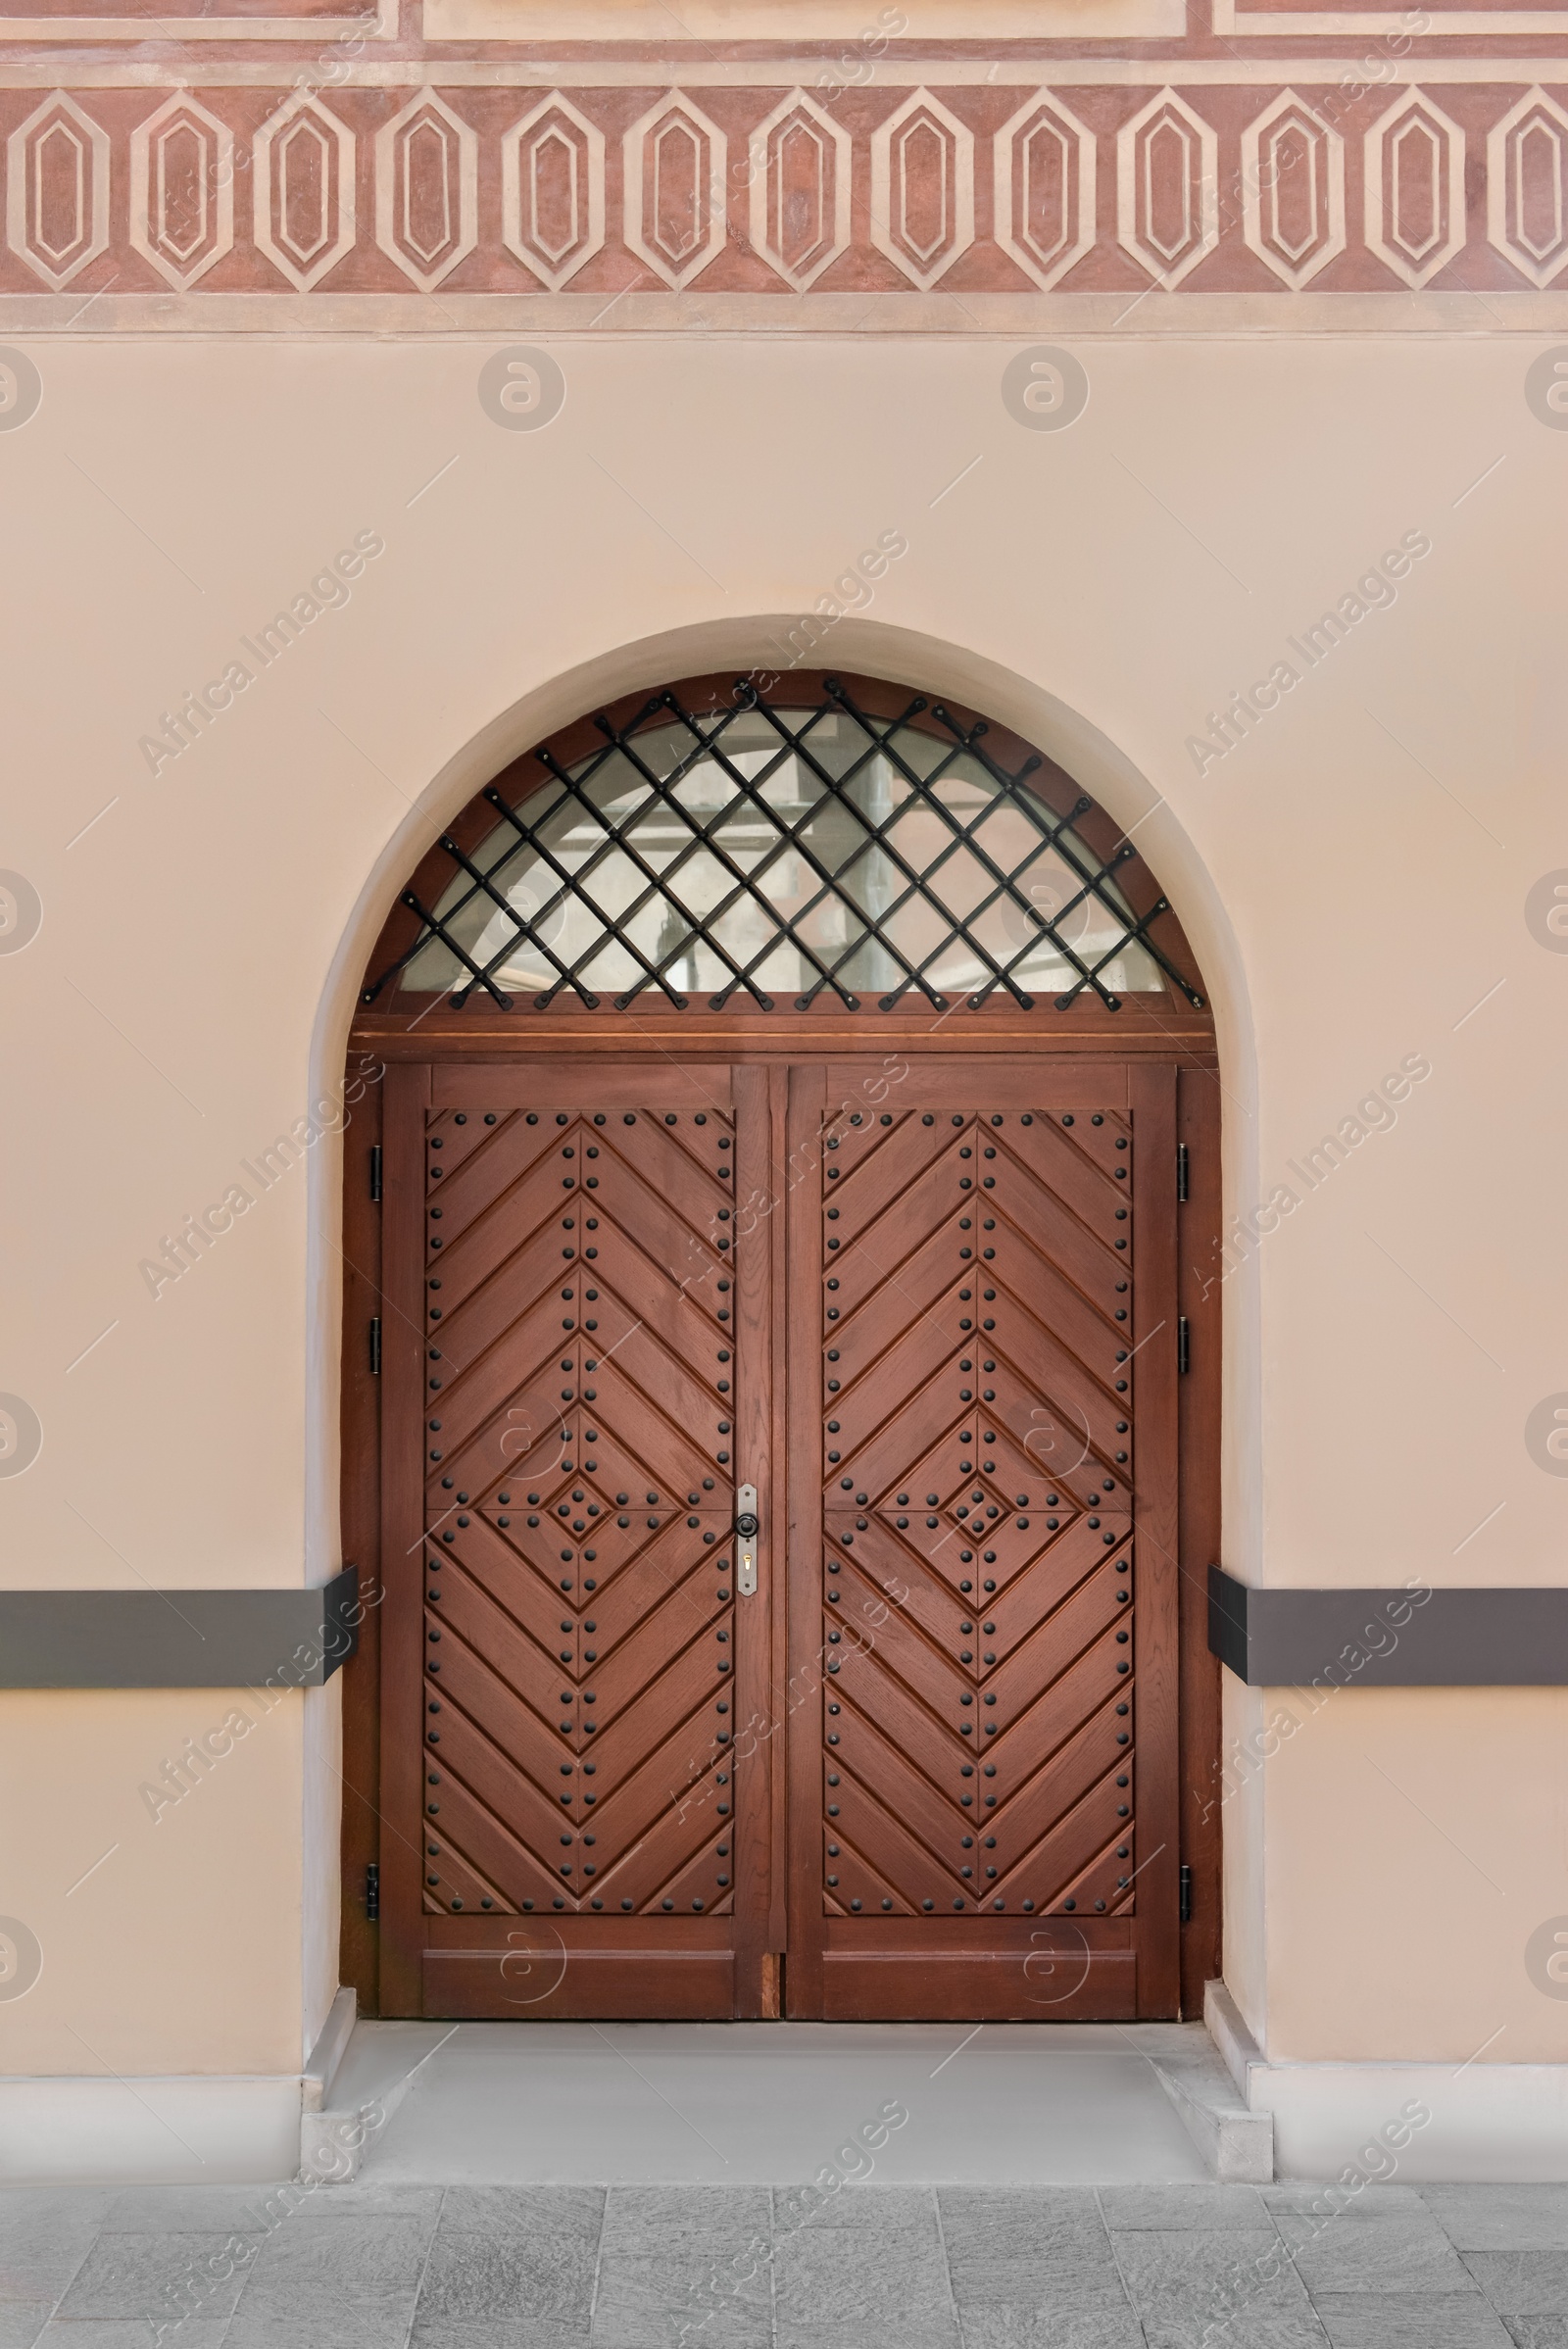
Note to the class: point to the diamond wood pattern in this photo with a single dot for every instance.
(578, 1376)
(956, 1797)
(994, 1555)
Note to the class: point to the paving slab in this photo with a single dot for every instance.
(199, 2333)
(1300, 2198)
(1523, 2284)
(348, 2285)
(1006, 2328)
(1167, 2209)
(1397, 2251)
(1409, 2321)
(44, 2237)
(865, 2279)
(1511, 2217)
(1205, 2284)
(511, 2258)
(676, 2267)
(164, 2276)
(21, 2321)
(818, 2259)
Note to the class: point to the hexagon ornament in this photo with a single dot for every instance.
(1043, 173)
(552, 191)
(1167, 189)
(303, 190)
(1292, 190)
(922, 188)
(799, 162)
(428, 189)
(57, 190)
(182, 190)
(1415, 211)
(674, 188)
(1527, 187)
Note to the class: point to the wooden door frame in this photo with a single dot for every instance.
(1141, 1036)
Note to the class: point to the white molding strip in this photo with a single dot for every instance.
(1486, 2122)
(850, 26)
(487, 319)
(59, 31)
(595, 71)
(1339, 24)
(1491, 2123)
(496, 20)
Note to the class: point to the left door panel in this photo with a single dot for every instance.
(577, 1376)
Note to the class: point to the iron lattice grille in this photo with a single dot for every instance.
(758, 846)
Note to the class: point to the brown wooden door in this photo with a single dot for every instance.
(984, 1768)
(576, 1363)
(929, 1770)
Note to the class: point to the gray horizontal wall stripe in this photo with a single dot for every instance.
(179, 1638)
(1402, 1639)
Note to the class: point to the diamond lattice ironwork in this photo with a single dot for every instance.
(768, 852)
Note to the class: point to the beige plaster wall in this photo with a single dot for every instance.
(1355, 875)
(170, 1931)
(1415, 1840)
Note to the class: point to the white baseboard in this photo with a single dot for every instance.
(1489, 2123)
(1497, 2123)
(1502, 2124)
(210, 2131)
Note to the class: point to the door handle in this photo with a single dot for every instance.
(747, 1527)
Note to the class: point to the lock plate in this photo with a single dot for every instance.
(745, 1544)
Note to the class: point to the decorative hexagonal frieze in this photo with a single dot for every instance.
(428, 189)
(1167, 189)
(1415, 219)
(922, 188)
(1292, 190)
(182, 190)
(57, 189)
(552, 191)
(1527, 187)
(799, 165)
(178, 211)
(301, 171)
(1043, 174)
(674, 191)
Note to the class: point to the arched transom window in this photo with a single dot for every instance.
(778, 851)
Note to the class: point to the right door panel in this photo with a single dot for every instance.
(983, 1364)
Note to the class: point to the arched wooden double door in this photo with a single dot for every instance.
(787, 1447)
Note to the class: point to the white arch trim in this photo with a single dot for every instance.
(1088, 752)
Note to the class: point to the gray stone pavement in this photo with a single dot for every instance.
(677, 2267)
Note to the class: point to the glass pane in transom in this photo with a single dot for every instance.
(775, 849)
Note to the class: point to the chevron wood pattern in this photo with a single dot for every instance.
(985, 1586)
(578, 1385)
(956, 1795)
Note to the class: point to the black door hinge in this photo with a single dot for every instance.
(372, 1894)
(1184, 1343)
(375, 1174)
(1186, 1893)
(375, 1347)
(1181, 1172)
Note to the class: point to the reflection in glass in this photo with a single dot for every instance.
(761, 867)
